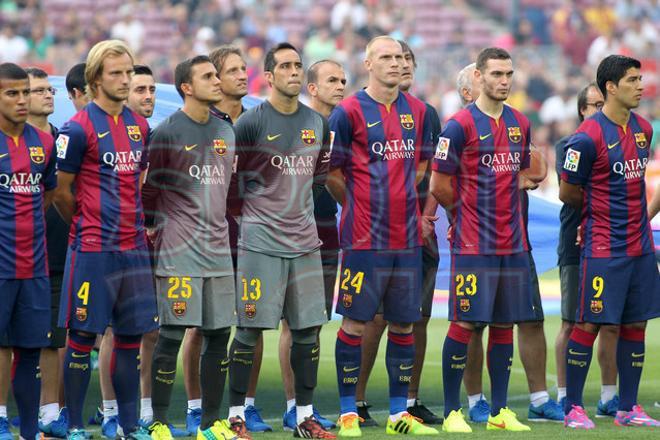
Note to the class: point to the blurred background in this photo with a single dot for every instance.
(556, 44)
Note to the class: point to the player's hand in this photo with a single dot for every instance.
(578, 237)
(151, 234)
(428, 228)
(450, 233)
(527, 184)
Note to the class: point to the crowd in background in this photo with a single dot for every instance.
(556, 44)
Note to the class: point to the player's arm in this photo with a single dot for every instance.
(63, 197)
(71, 145)
(421, 171)
(534, 168)
(50, 175)
(154, 175)
(578, 162)
(654, 206)
(341, 141)
(48, 198)
(246, 138)
(323, 161)
(446, 163)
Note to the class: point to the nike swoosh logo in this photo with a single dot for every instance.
(243, 352)
(190, 147)
(486, 136)
(498, 425)
(76, 355)
(315, 350)
(405, 367)
(638, 355)
(372, 124)
(458, 358)
(3, 155)
(272, 137)
(166, 372)
(102, 135)
(610, 146)
(348, 370)
(225, 362)
(576, 353)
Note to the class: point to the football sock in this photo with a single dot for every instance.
(399, 359)
(163, 375)
(304, 360)
(499, 359)
(213, 373)
(474, 398)
(26, 385)
(146, 412)
(348, 355)
(240, 366)
(454, 356)
(77, 371)
(607, 393)
(629, 361)
(578, 358)
(125, 374)
(539, 398)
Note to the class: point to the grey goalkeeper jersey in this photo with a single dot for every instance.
(280, 157)
(190, 167)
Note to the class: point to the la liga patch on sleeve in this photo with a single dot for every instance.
(442, 148)
(572, 160)
(61, 144)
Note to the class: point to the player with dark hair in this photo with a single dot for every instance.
(142, 96)
(27, 180)
(382, 143)
(603, 177)
(482, 154)
(191, 157)
(75, 86)
(280, 146)
(107, 276)
(589, 102)
(430, 259)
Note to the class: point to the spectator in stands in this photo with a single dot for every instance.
(13, 47)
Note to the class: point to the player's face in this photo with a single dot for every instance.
(142, 97)
(14, 100)
(595, 102)
(386, 62)
(233, 77)
(286, 77)
(115, 79)
(205, 83)
(41, 97)
(407, 72)
(331, 84)
(629, 90)
(495, 80)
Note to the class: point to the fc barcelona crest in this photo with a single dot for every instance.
(640, 140)
(220, 146)
(407, 121)
(250, 310)
(464, 305)
(37, 155)
(514, 134)
(81, 314)
(596, 306)
(179, 308)
(347, 300)
(308, 136)
(134, 132)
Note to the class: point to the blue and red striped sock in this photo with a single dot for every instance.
(499, 359)
(348, 356)
(126, 378)
(578, 358)
(629, 361)
(454, 357)
(77, 371)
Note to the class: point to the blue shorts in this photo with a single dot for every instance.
(369, 277)
(25, 312)
(618, 290)
(491, 289)
(103, 288)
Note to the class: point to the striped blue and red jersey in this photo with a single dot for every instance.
(485, 156)
(609, 162)
(379, 150)
(107, 154)
(27, 170)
